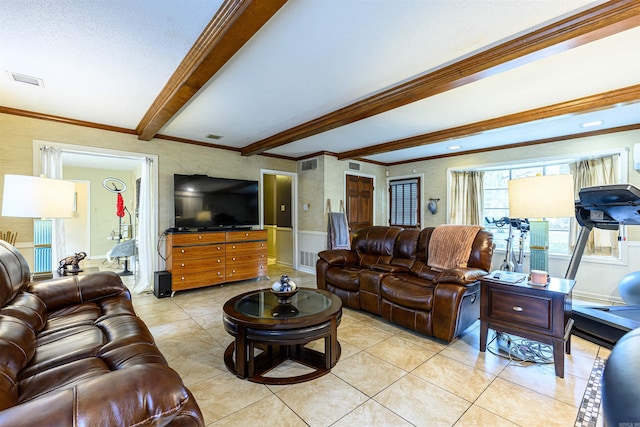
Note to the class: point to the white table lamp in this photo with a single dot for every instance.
(536, 198)
(35, 197)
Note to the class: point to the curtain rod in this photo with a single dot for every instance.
(91, 153)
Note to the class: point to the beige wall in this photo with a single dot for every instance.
(16, 156)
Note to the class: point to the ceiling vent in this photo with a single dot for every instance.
(212, 136)
(21, 78)
(354, 166)
(307, 165)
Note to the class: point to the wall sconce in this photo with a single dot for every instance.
(433, 206)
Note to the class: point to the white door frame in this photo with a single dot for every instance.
(294, 206)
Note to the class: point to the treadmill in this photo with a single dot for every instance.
(605, 207)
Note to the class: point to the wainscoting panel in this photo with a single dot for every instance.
(309, 244)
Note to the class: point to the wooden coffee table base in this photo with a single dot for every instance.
(274, 355)
(279, 332)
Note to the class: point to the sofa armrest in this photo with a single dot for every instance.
(339, 256)
(388, 268)
(461, 276)
(148, 394)
(69, 290)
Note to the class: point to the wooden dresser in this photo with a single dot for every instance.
(204, 258)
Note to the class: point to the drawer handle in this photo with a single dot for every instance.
(182, 278)
(182, 265)
(246, 234)
(218, 260)
(517, 308)
(233, 259)
(218, 247)
(199, 237)
(182, 251)
(218, 273)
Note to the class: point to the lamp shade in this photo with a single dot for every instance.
(545, 196)
(35, 197)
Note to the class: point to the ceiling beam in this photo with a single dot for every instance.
(589, 25)
(232, 26)
(581, 105)
(586, 134)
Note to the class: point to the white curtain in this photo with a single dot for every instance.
(466, 198)
(52, 168)
(147, 227)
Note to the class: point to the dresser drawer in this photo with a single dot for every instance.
(197, 252)
(237, 249)
(522, 309)
(189, 266)
(195, 280)
(197, 238)
(246, 270)
(246, 236)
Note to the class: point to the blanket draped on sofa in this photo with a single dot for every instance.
(442, 254)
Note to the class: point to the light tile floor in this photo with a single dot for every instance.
(386, 376)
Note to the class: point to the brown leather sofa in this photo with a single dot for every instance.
(73, 353)
(388, 273)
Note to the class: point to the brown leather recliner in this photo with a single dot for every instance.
(73, 352)
(338, 270)
(400, 285)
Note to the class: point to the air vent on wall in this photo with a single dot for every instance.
(354, 166)
(307, 165)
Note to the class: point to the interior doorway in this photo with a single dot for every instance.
(279, 218)
(139, 166)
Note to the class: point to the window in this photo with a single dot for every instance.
(404, 202)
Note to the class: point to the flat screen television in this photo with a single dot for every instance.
(204, 202)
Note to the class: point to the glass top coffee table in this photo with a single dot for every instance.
(258, 321)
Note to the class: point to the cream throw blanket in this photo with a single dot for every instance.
(450, 246)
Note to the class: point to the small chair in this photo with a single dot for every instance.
(124, 249)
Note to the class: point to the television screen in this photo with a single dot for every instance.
(205, 202)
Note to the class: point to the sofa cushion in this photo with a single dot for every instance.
(78, 343)
(408, 291)
(375, 245)
(60, 377)
(344, 277)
